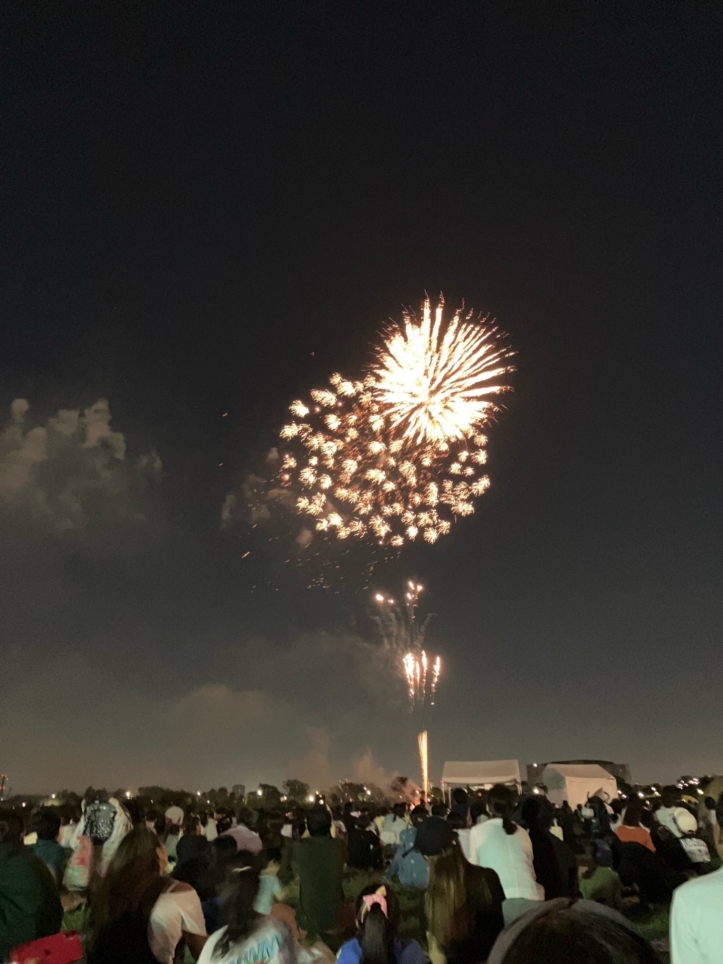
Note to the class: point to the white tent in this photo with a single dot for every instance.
(576, 782)
(483, 774)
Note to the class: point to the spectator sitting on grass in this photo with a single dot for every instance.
(463, 903)
(408, 864)
(630, 830)
(29, 903)
(47, 848)
(319, 860)
(377, 920)
(365, 849)
(600, 882)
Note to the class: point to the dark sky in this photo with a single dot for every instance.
(208, 208)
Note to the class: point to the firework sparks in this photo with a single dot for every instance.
(405, 636)
(399, 455)
(433, 380)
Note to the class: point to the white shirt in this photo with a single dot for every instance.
(209, 830)
(677, 820)
(174, 815)
(464, 841)
(510, 855)
(475, 834)
(271, 943)
(696, 921)
(175, 911)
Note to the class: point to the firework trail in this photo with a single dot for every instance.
(424, 762)
(400, 454)
(404, 637)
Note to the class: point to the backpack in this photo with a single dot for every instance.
(99, 820)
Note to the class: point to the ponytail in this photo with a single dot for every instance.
(237, 911)
(500, 801)
(377, 919)
(376, 938)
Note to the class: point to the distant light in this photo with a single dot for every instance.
(259, 793)
(52, 795)
(198, 793)
(641, 794)
(700, 791)
(535, 790)
(311, 798)
(128, 794)
(23, 804)
(379, 597)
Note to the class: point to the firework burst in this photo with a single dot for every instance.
(398, 457)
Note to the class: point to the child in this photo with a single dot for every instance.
(377, 918)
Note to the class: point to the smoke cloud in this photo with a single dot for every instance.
(59, 476)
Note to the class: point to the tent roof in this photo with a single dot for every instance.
(486, 771)
(587, 771)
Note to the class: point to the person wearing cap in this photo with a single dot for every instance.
(463, 903)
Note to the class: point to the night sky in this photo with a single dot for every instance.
(208, 208)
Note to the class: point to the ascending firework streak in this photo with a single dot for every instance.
(400, 454)
(404, 637)
(424, 762)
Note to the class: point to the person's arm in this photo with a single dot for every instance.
(436, 954)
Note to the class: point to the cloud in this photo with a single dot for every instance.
(72, 470)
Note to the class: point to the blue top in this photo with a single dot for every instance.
(405, 952)
(408, 864)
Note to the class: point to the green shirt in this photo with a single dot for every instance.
(603, 886)
(29, 903)
(319, 862)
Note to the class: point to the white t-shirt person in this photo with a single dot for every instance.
(510, 855)
(270, 943)
(696, 921)
(178, 909)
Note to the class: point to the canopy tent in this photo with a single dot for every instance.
(576, 782)
(483, 774)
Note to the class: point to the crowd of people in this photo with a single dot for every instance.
(496, 877)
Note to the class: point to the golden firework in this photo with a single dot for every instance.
(399, 455)
(433, 380)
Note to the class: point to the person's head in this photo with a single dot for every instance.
(477, 809)
(633, 813)
(670, 796)
(363, 821)
(439, 810)
(192, 825)
(136, 866)
(719, 810)
(647, 819)
(709, 803)
(245, 817)
(537, 813)
(564, 932)
(400, 810)
(617, 806)
(460, 797)
(47, 823)
(456, 820)
(318, 822)
(238, 891)
(500, 804)
(418, 816)
(223, 823)
(11, 830)
(377, 919)
(566, 806)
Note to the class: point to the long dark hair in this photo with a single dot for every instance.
(133, 874)
(239, 893)
(377, 930)
(500, 804)
(456, 889)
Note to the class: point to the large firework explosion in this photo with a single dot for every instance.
(400, 454)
